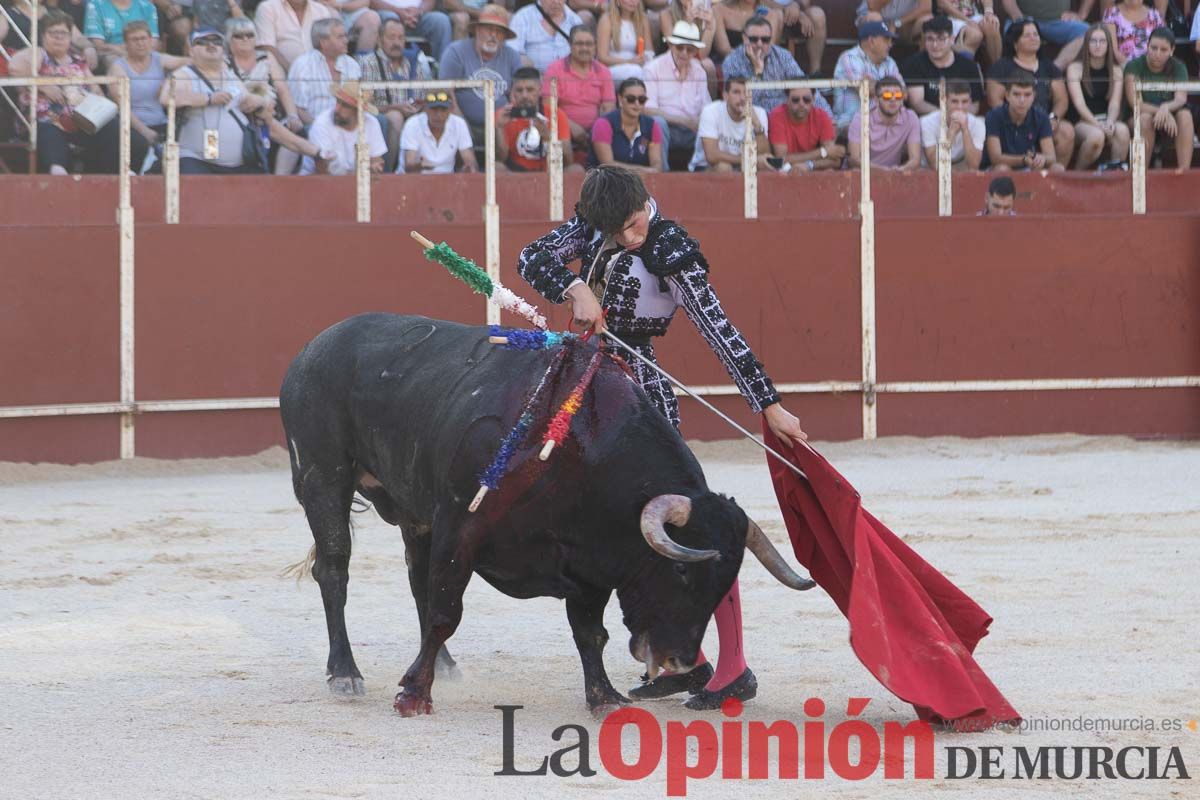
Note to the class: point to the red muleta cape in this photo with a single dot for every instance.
(910, 626)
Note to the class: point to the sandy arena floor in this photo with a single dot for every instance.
(148, 647)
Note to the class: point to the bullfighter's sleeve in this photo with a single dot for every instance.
(699, 300)
(543, 263)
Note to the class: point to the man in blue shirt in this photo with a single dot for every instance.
(1018, 133)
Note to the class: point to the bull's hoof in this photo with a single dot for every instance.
(607, 706)
(410, 705)
(346, 686)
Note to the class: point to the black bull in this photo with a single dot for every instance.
(408, 411)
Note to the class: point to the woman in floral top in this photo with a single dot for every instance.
(1131, 22)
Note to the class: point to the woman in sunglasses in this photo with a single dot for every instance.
(259, 67)
(626, 135)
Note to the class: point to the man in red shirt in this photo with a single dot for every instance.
(523, 127)
(803, 135)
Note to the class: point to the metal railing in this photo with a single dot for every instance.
(1137, 149)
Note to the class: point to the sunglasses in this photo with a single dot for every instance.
(242, 36)
(437, 97)
(891, 95)
(640, 99)
(208, 42)
(758, 39)
(807, 100)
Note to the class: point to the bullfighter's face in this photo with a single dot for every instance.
(636, 229)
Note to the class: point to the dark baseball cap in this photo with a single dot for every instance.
(874, 28)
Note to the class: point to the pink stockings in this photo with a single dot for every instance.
(731, 661)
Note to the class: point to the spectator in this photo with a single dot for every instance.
(395, 61)
(420, 18)
(998, 202)
(260, 72)
(924, 69)
(463, 14)
(722, 132)
(16, 37)
(731, 17)
(362, 23)
(627, 136)
(285, 27)
(105, 23)
(335, 135)
(56, 125)
(213, 104)
(1018, 132)
(965, 130)
(585, 88)
(869, 59)
(1056, 23)
(525, 129)
(700, 14)
(1131, 23)
(1164, 113)
(314, 73)
(905, 17)
(973, 24)
(895, 130)
(623, 41)
(677, 90)
(1022, 44)
(434, 139)
(541, 29)
(803, 135)
(484, 56)
(758, 60)
(805, 21)
(1095, 87)
(146, 70)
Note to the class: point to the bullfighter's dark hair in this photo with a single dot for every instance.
(610, 195)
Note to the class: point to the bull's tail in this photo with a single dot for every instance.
(302, 568)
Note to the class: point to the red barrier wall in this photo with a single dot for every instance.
(222, 307)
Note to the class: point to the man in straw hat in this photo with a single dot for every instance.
(677, 90)
(335, 133)
(484, 56)
(639, 268)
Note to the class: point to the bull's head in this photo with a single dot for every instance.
(668, 603)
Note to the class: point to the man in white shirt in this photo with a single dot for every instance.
(722, 130)
(312, 74)
(433, 139)
(335, 133)
(965, 130)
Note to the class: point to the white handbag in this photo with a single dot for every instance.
(93, 113)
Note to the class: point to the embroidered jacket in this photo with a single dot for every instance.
(640, 297)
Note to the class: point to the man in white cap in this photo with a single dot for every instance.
(335, 133)
(677, 90)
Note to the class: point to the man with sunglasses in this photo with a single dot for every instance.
(757, 59)
(678, 89)
(804, 136)
(895, 130)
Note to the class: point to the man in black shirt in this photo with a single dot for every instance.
(923, 70)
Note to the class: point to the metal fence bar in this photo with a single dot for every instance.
(749, 161)
(944, 173)
(171, 163)
(491, 211)
(362, 163)
(867, 263)
(125, 252)
(554, 156)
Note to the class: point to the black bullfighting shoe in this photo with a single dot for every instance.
(674, 683)
(744, 687)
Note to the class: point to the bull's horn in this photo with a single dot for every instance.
(674, 509)
(758, 543)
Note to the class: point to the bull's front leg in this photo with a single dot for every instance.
(451, 562)
(586, 615)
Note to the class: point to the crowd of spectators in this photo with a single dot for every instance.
(274, 85)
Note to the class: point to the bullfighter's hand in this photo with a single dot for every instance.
(784, 424)
(585, 310)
